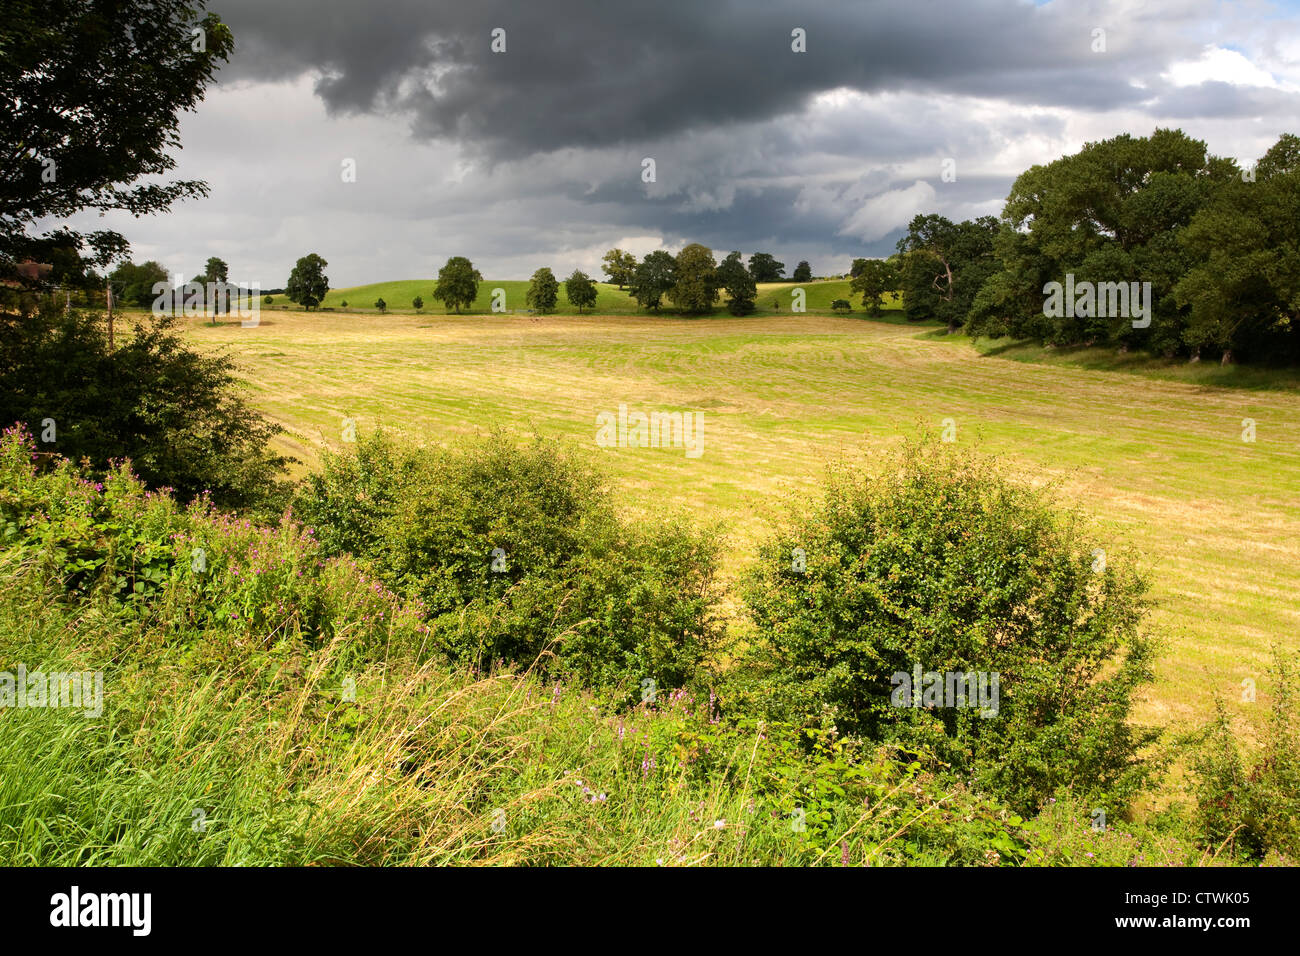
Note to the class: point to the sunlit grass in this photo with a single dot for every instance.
(1159, 462)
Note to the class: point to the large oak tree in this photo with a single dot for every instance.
(91, 95)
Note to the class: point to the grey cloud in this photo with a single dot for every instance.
(582, 74)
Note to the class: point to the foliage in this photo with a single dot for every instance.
(1255, 807)
(620, 266)
(580, 290)
(308, 283)
(655, 278)
(802, 272)
(457, 284)
(176, 413)
(543, 291)
(67, 69)
(763, 267)
(943, 266)
(1113, 212)
(738, 283)
(1243, 293)
(938, 563)
(134, 284)
(518, 554)
(695, 279)
(872, 279)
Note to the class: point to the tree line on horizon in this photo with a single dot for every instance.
(1219, 244)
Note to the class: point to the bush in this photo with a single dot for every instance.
(841, 305)
(518, 554)
(141, 556)
(939, 563)
(176, 413)
(1256, 809)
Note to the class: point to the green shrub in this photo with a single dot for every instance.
(139, 556)
(938, 562)
(347, 502)
(1254, 808)
(178, 414)
(517, 552)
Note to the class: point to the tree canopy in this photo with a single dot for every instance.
(695, 285)
(943, 266)
(308, 283)
(580, 290)
(874, 277)
(133, 284)
(654, 277)
(92, 95)
(457, 284)
(740, 286)
(1112, 213)
(620, 266)
(763, 267)
(543, 291)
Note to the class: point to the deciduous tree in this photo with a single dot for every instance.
(739, 285)
(308, 283)
(91, 95)
(695, 286)
(580, 290)
(654, 278)
(763, 267)
(543, 291)
(457, 283)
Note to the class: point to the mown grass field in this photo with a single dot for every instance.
(1158, 462)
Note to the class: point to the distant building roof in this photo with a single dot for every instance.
(30, 271)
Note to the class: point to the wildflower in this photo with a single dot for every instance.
(719, 824)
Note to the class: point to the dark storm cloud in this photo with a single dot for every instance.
(534, 157)
(584, 74)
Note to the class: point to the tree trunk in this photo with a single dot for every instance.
(1227, 358)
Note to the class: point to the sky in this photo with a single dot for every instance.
(535, 155)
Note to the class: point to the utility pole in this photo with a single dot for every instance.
(108, 297)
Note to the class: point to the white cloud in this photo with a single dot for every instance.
(881, 215)
(1220, 65)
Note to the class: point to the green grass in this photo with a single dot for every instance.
(1159, 464)
(224, 745)
(1207, 373)
(610, 300)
